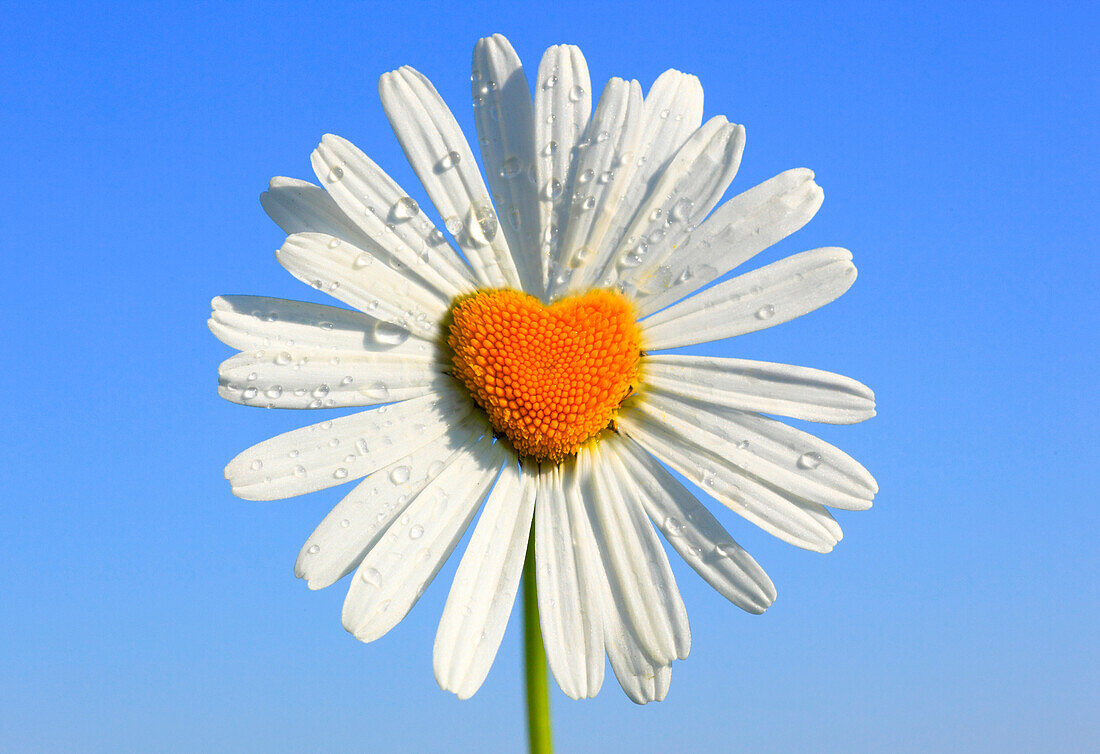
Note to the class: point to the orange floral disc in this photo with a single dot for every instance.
(548, 377)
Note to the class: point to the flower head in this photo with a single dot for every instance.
(521, 373)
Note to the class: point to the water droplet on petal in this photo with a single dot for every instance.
(406, 208)
(371, 577)
(511, 167)
(765, 312)
(400, 475)
(390, 334)
(340, 473)
(416, 532)
(449, 160)
(809, 460)
(335, 174)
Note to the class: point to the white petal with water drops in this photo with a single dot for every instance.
(384, 293)
(602, 172)
(637, 567)
(568, 572)
(695, 533)
(397, 570)
(407, 239)
(340, 541)
(761, 386)
(756, 300)
(563, 103)
(485, 585)
(259, 323)
(299, 206)
(340, 450)
(738, 230)
(298, 378)
(683, 194)
(792, 519)
(504, 114)
(673, 110)
(782, 456)
(439, 153)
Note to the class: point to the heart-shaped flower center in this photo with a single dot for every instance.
(549, 377)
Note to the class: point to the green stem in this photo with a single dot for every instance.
(534, 660)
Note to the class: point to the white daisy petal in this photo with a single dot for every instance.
(400, 234)
(637, 568)
(780, 455)
(258, 323)
(505, 115)
(342, 450)
(604, 167)
(340, 541)
(682, 195)
(673, 112)
(485, 585)
(762, 298)
(355, 277)
(696, 534)
(563, 103)
(298, 378)
(437, 150)
(397, 570)
(800, 522)
(299, 207)
(641, 679)
(567, 574)
(738, 230)
(761, 386)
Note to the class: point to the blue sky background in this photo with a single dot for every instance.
(147, 609)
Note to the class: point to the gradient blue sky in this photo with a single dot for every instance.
(147, 609)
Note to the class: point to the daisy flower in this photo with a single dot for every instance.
(521, 371)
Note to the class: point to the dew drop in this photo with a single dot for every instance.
(400, 475)
(809, 460)
(335, 174)
(511, 167)
(340, 473)
(435, 468)
(552, 189)
(371, 577)
(586, 176)
(674, 526)
(681, 211)
(765, 312)
(257, 465)
(416, 532)
(550, 82)
(448, 161)
(283, 359)
(249, 393)
(299, 471)
(390, 334)
(726, 550)
(314, 549)
(576, 93)
(274, 391)
(406, 208)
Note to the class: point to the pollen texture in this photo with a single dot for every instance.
(549, 377)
